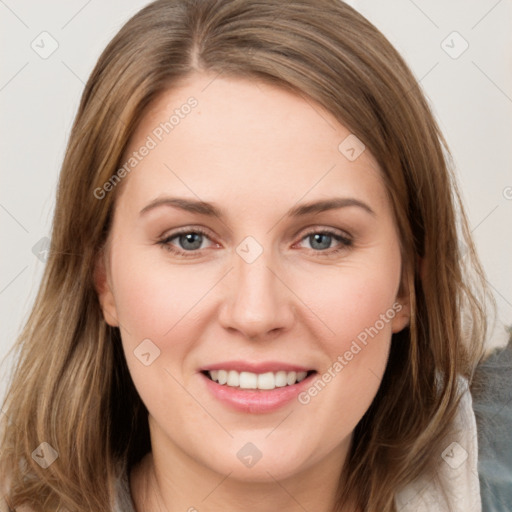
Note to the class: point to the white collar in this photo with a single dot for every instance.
(458, 470)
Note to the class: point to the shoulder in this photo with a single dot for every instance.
(455, 487)
(123, 497)
(4, 491)
(4, 506)
(4, 486)
(492, 399)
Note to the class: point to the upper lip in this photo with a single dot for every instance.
(253, 367)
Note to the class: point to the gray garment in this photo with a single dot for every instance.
(124, 502)
(492, 403)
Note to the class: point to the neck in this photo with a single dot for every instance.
(185, 485)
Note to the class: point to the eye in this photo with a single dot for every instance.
(321, 240)
(189, 239)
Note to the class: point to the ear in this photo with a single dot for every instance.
(104, 290)
(402, 304)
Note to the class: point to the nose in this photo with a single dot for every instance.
(257, 301)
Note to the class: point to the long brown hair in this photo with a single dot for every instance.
(71, 387)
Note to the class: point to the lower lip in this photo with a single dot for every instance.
(256, 400)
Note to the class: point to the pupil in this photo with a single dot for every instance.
(189, 238)
(317, 236)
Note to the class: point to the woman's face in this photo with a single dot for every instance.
(270, 285)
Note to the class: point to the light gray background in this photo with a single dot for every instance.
(471, 95)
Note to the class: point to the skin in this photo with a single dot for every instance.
(255, 151)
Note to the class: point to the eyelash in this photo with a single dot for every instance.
(165, 242)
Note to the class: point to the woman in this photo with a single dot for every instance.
(258, 369)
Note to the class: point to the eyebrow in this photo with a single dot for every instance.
(204, 208)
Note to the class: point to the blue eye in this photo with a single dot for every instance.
(190, 241)
(321, 239)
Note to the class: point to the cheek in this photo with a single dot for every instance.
(162, 304)
(153, 299)
(352, 301)
(159, 303)
(358, 306)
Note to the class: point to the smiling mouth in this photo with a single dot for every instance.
(256, 381)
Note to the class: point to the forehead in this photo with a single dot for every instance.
(218, 138)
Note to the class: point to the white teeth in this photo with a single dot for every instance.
(249, 380)
(301, 376)
(291, 378)
(281, 379)
(222, 376)
(233, 379)
(266, 381)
